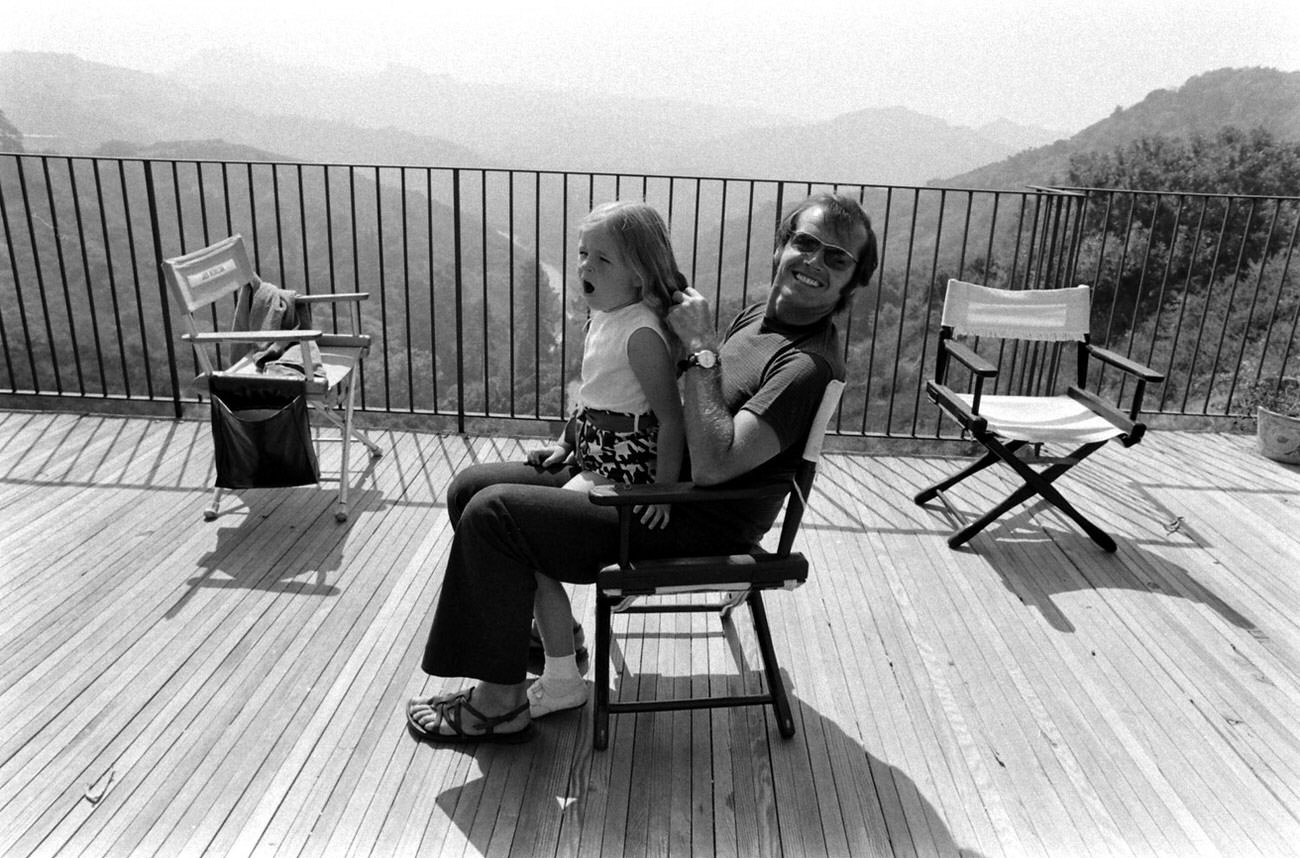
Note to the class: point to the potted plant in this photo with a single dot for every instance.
(1276, 404)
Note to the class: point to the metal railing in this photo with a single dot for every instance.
(474, 311)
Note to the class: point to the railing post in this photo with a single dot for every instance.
(162, 290)
(460, 333)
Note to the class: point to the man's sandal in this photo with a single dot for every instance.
(451, 711)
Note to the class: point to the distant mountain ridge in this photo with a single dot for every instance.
(1246, 98)
(76, 106)
(405, 116)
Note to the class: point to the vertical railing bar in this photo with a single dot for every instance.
(1193, 250)
(929, 304)
(433, 291)
(1250, 312)
(1209, 288)
(383, 288)
(279, 224)
(1119, 272)
(356, 257)
(537, 293)
(510, 282)
(1232, 295)
(993, 225)
(487, 334)
(406, 294)
(329, 249)
(458, 279)
(135, 273)
(564, 294)
(695, 241)
(883, 238)
(749, 245)
(63, 277)
(176, 200)
(1295, 317)
(1164, 281)
(722, 233)
(302, 230)
(203, 202)
(112, 274)
(163, 300)
(40, 285)
(252, 218)
(90, 291)
(902, 308)
(18, 289)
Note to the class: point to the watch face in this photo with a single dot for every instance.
(706, 358)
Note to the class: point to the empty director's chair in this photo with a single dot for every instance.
(733, 578)
(268, 349)
(1034, 332)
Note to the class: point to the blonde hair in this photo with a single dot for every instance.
(642, 237)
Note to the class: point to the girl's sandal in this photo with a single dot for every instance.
(451, 711)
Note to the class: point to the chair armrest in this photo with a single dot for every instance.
(652, 493)
(967, 356)
(1132, 430)
(345, 341)
(1132, 367)
(305, 335)
(336, 297)
(945, 398)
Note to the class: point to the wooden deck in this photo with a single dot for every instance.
(174, 687)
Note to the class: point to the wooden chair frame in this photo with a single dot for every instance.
(736, 577)
(201, 278)
(966, 410)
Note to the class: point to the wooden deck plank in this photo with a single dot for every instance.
(243, 680)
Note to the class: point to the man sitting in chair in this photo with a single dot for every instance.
(749, 401)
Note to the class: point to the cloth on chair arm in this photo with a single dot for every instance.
(263, 306)
(261, 436)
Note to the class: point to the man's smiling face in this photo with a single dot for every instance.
(807, 286)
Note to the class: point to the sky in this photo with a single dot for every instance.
(1059, 65)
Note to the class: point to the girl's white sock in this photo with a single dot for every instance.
(562, 667)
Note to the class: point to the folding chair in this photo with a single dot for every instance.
(328, 364)
(1038, 329)
(735, 578)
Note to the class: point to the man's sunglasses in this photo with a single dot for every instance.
(836, 258)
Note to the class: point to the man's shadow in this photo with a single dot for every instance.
(724, 772)
(281, 540)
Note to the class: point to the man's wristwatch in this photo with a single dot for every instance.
(704, 358)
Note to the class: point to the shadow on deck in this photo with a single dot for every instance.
(175, 687)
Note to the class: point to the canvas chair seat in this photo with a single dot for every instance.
(1043, 419)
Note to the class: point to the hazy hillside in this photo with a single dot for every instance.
(70, 105)
(883, 146)
(404, 116)
(509, 126)
(1245, 98)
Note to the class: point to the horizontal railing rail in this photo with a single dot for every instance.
(474, 311)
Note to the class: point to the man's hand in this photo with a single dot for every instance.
(691, 320)
(549, 457)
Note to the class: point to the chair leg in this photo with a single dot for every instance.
(1036, 483)
(780, 701)
(600, 707)
(345, 476)
(926, 495)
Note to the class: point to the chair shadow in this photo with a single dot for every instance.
(566, 791)
(1040, 557)
(285, 541)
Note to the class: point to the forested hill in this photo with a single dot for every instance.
(1246, 98)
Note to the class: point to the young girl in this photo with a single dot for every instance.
(628, 426)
